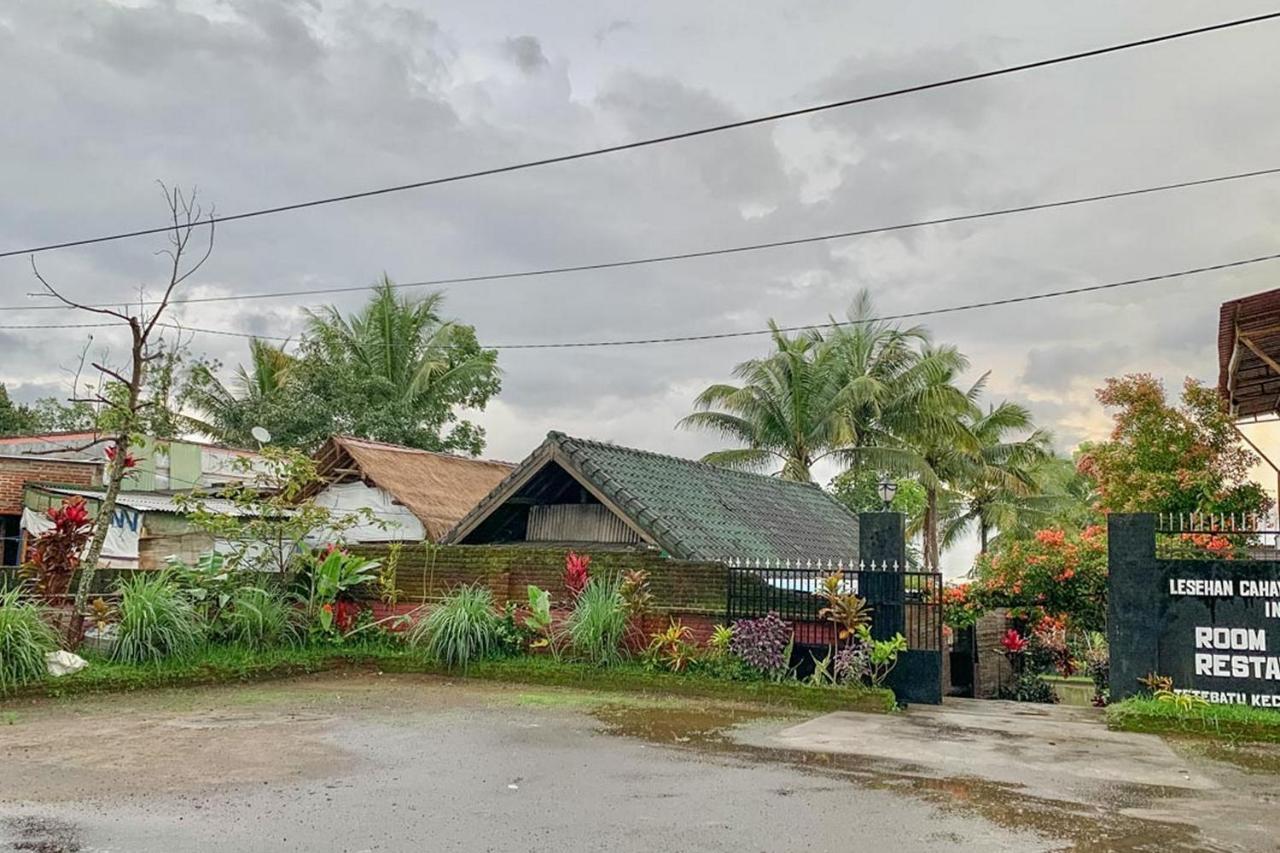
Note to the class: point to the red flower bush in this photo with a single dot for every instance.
(1058, 571)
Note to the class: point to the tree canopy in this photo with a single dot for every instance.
(393, 371)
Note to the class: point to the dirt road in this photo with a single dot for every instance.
(367, 762)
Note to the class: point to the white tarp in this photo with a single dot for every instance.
(400, 524)
(120, 551)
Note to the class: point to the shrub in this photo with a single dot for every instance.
(671, 649)
(24, 640)
(56, 553)
(576, 573)
(1057, 571)
(1029, 687)
(156, 620)
(258, 618)
(852, 664)
(882, 655)
(598, 623)
(463, 628)
(763, 643)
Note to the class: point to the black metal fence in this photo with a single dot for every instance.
(901, 602)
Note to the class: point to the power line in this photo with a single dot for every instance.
(672, 137)
(704, 253)
(910, 315)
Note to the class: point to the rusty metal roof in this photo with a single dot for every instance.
(1249, 354)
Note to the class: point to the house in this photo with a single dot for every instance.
(573, 491)
(161, 464)
(413, 494)
(147, 527)
(16, 471)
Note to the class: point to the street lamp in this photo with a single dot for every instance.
(887, 489)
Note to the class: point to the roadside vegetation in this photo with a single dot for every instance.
(1232, 722)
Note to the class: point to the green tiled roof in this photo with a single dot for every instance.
(697, 511)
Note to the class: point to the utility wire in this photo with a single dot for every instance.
(831, 324)
(672, 137)
(681, 256)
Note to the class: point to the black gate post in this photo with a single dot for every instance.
(1133, 620)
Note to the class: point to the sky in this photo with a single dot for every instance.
(264, 102)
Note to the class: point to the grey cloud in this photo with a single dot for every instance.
(1055, 368)
(526, 53)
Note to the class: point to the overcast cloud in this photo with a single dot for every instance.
(260, 102)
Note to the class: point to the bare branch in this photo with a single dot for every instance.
(107, 311)
(113, 374)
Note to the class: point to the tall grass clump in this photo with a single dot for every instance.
(24, 640)
(462, 628)
(598, 623)
(156, 620)
(258, 618)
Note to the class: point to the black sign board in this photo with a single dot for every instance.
(1213, 626)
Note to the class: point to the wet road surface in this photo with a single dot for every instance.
(360, 762)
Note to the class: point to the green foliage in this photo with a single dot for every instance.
(462, 629)
(1233, 722)
(598, 623)
(47, 414)
(1170, 458)
(858, 489)
(538, 621)
(395, 371)
(157, 620)
(258, 618)
(24, 640)
(882, 655)
(1029, 687)
(718, 643)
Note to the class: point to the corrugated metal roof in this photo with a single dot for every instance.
(148, 501)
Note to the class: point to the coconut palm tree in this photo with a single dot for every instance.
(397, 370)
(227, 412)
(788, 411)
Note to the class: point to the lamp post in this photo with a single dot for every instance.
(887, 489)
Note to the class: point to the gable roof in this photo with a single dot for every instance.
(691, 510)
(1249, 354)
(438, 488)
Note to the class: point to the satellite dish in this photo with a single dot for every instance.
(260, 434)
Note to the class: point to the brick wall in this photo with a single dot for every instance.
(16, 473)
(693, 592)
(993, 670)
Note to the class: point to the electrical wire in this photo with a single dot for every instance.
(672, 137)
(704, 253)
(713, 336)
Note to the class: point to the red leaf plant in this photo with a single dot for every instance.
(56, 553)
(1013, 642)
(576, 573)
(129, 460)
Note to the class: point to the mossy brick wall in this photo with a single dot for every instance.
(425, 573)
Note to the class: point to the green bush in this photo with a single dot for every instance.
(258, 618)
(598, 623)
(24, 640)
(463, 628)
(156, 620)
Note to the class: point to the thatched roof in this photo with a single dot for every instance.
(438, 488)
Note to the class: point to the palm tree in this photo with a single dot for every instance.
(228, 413)
(398, 369)
(999, 486)
(789, 409)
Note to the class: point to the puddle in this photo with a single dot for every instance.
(709, 730)
(1249, 757)
(42, 835)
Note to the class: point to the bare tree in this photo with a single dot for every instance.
(120, 398)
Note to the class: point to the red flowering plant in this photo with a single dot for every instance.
(56, 553)
(1050, 647)
(576, 573)
(1057, 572)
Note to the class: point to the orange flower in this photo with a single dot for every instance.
(1051, 537)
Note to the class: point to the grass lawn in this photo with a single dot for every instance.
(1232, 722)
(224, 664)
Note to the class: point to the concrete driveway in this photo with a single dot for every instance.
(367, 762)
